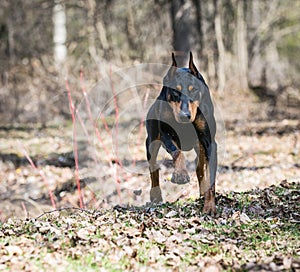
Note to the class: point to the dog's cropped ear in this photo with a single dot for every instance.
(174, 63)
(193, 67)
(173, 68)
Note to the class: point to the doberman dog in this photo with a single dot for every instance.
(181, 119)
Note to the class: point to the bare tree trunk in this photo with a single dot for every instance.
(102, 35)
(221, 49)
(242, 54)
(211, 49)
(255, 70)
(180, 12)
(59, 32)
(11, 41)
(107, 33)
(199, 25)
(131, 32)
(267, 75)
(92, 31)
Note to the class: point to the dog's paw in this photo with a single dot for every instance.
(180, 177)
(155, 195)
(210, 209)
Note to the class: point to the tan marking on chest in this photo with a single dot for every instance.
(200, 124)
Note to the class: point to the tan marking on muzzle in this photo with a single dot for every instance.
(176, 106)
(193, 106)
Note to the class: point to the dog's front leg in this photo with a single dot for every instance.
(180, 174)
(205, 174)
(152, 147)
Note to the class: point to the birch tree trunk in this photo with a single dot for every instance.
(59, 32)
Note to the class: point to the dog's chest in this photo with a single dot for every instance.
(184, 135)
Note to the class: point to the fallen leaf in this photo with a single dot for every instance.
(14, 250)
(171, 214)
(244, 218)
(83, 234)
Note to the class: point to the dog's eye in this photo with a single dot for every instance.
(191, 88)
(175, 95)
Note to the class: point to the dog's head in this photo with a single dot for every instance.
(184, 87)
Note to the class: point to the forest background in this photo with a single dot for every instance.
(239, 45)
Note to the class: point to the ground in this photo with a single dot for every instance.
(256, 230)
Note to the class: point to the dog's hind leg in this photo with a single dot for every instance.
(206, 187)
(209, 195)
(152, 148)
(213, 163)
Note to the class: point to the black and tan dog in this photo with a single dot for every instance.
(181, 119)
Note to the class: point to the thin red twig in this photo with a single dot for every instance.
(72, 110)
(24, 209)
(105, 124)
(86, 134)
(83, 89)
(102, 145)
(88, 108)
(24, 151)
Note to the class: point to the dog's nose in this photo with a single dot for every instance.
(185, 114)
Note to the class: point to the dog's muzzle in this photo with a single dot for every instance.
(185, 117)
(184, 114)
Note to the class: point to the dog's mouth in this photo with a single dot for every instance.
(184, 118)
